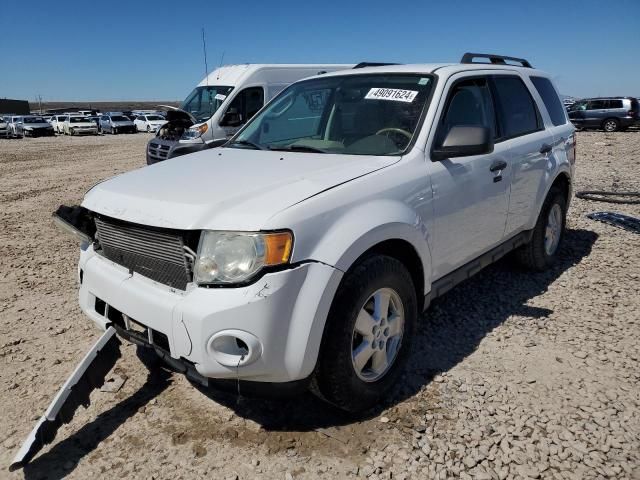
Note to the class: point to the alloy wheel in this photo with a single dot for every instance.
(377, 335)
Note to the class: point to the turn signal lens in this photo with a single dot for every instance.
(277, 248)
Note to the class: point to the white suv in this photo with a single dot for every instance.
(308, 247)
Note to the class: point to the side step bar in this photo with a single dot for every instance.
(88, 375)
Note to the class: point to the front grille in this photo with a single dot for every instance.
(154, 254)
(158, 151)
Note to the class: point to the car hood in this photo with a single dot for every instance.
(123, 123)
(225, 188)
(36, 125)
(83, 124)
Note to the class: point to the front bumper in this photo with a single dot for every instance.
(85, 131)
(125, 129)
(39, 132)
(281, 317)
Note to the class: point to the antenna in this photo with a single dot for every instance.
(204, 51)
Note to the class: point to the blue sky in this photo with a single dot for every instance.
(142, 50)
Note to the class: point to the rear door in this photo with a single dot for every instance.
(470, 194)
(595, 112)
(521, 130)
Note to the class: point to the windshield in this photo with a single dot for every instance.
(119, 118)
(34, 120)
(204, 101)
(375, 114)
(78, 119)
(154, 117)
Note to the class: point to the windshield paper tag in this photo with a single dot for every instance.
(219, 96)
(393, 94)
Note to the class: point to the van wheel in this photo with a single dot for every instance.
(368, 334)
(610, 125)
(542, 250)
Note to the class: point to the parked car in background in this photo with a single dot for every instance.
(96, 120)
(116, 123)
(223, 101)
(149, 123)
(57, 122)
(4, 128)
(304, 251)
(610, 114)
(15, 126)
(80, 125)
(36, 126)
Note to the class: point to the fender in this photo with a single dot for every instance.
(367, 225)
(545, 187)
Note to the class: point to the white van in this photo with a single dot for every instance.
(223, 101)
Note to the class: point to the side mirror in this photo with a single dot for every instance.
(231, 119)
(464, 141)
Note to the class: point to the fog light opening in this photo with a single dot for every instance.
(234, 348)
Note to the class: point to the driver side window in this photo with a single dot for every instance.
(244, 106)
(469, 104)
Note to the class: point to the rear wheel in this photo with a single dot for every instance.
(610, 125)
(368, 334)
(542, 250)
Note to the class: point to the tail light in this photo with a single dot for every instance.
(631, 113)
(571, 153)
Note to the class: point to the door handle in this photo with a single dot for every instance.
(545, 148)
(498, 165)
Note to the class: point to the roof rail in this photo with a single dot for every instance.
(495, 59)
(373, 64)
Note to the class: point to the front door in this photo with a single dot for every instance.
(470, 194)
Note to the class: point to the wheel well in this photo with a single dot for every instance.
(611, 118)
(404, 252)
(563, 183)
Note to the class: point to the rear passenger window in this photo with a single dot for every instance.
(550, 99)
(517, 113)
(615, 103)
(597, 105)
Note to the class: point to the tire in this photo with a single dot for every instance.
(610, 125)
(542, 250)
(148, 129)
(337, 379)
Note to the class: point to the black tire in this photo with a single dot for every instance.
(148, 129)
(611, 125)
(534, 255)
(336, 379)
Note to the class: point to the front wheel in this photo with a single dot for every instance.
(368, 334)
(542, 250)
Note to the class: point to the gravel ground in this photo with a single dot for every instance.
(514, 375)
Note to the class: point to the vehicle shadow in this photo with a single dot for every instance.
(449, 331)
(63, 457)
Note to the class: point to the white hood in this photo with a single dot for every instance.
(224, 188)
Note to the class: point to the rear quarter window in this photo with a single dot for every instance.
(550, 99)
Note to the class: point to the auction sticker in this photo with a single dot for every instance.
(220, 96)
(393, 94)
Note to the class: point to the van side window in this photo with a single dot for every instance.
(551, 100)
(517, 112)
(615, 104)
(469, 104)
(247, 103)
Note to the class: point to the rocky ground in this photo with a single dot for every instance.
(514, 375)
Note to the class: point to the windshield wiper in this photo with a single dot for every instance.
(298, 148)
(246, 143)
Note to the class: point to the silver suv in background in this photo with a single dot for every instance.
(116, 123)
(609, 114)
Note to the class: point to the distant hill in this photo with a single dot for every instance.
(115, 106)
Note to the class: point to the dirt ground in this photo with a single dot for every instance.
(513, 375)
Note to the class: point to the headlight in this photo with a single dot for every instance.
(195, 132)
(235, 257)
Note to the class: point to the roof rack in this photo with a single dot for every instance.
(373, 64)
(494, 59)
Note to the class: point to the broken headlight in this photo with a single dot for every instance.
(235, 257)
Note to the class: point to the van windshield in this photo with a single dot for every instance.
(374, 114)
(203, 102)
